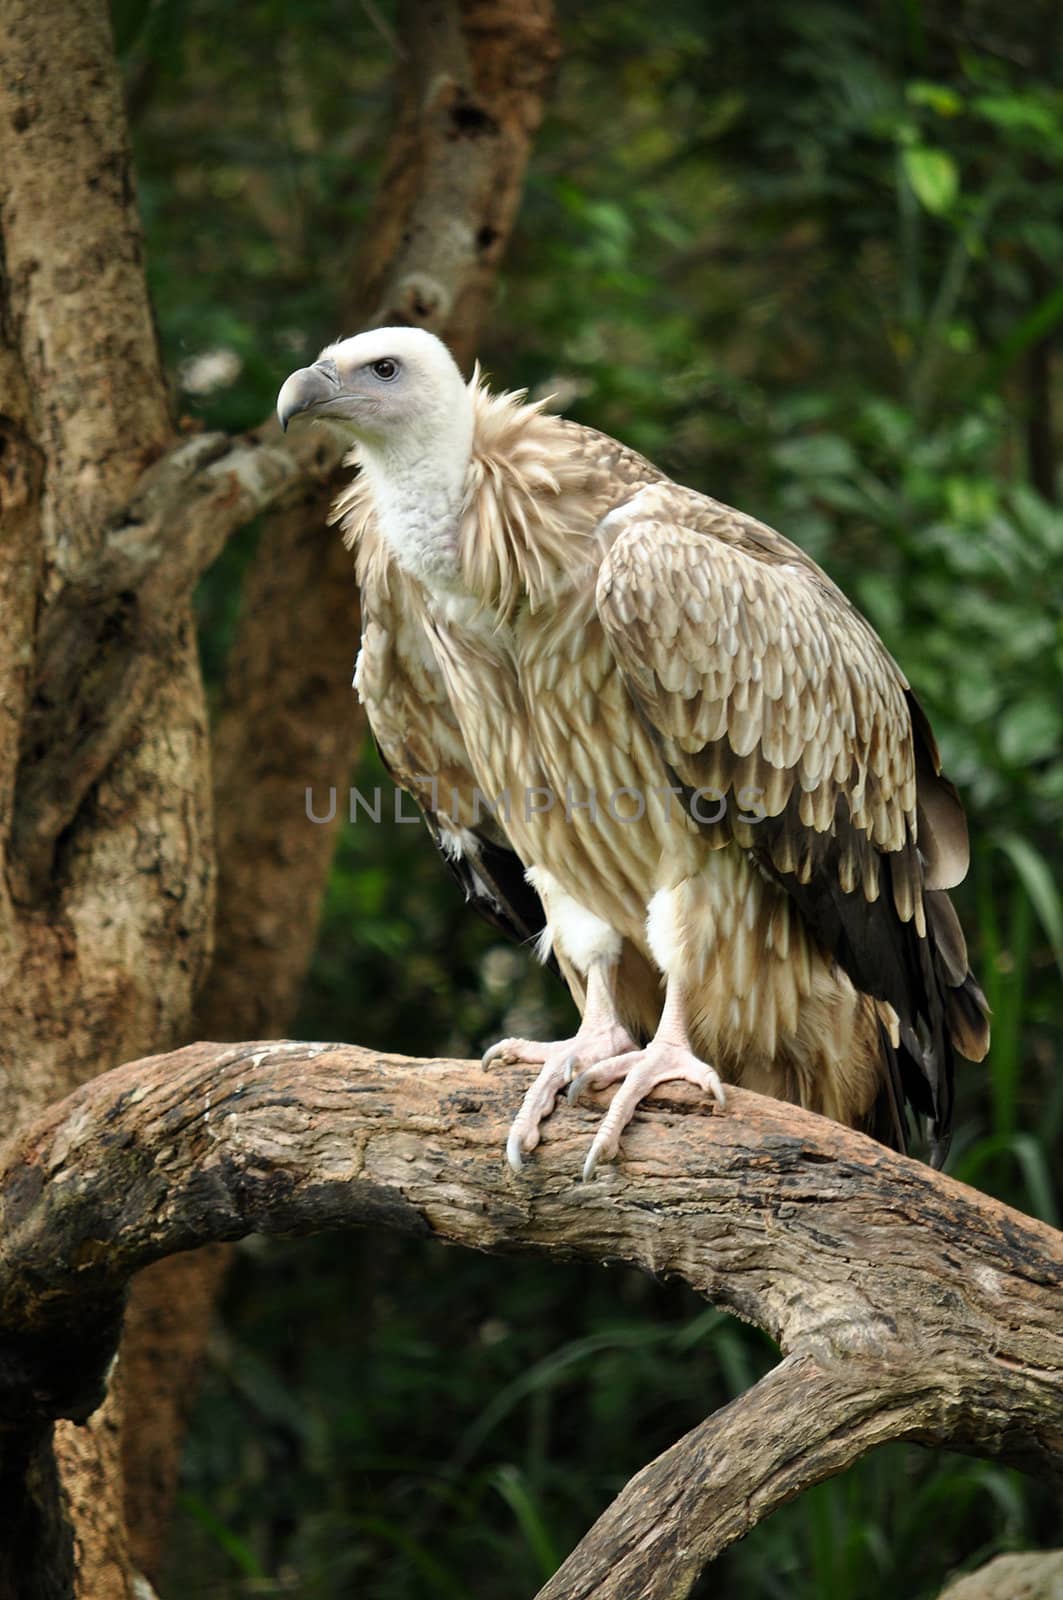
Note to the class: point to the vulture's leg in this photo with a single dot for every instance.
(600, 1034)
(667, 1057)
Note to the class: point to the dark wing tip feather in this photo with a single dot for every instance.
(924, 978)
(968, 1014)
(966, 1007)
(494, 883)
(888, 1123)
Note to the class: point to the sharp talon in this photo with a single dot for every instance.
(501, 1050)
(514, 1153)
(575, 1088)
(590, 1166)
(566, 1069)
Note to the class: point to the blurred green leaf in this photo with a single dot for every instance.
(1036, 877)
(816, 455)
(429, 1570)
(940, 97)
(235, 1548)
(1032, 730)
(511, 1486)
(1020, 112)
(933, 176)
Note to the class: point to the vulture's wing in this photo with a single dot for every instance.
(417, 734)
(762, 684)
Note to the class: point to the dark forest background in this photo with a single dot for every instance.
(807, 256)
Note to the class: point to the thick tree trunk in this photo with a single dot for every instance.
(273, 870)
(907, 1306)
(106, 903)
(79, 331)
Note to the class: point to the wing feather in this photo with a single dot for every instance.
(761, 683)
(755, 672)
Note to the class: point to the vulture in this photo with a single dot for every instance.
(652, 736)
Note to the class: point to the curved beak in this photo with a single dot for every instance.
(308, 391)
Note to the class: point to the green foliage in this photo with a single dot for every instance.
(806, 255)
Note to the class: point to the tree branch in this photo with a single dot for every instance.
(1033, 1575)
(907, 1305)
(471, 99)
(808, 1419)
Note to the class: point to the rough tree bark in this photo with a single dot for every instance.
(1034, 1576)
(906, 1305)
(107, 893)
(106, 902)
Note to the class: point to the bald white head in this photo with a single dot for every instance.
(390, 387)
(399, 394)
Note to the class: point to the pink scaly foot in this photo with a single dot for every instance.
(600, 1034)
(668, 1058)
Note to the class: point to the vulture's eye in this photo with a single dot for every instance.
(385, 369)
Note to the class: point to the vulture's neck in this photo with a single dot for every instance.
(418, 490)
(493, 510)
